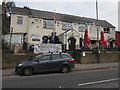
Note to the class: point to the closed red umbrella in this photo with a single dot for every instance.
(117, 43)
(102, 40)
(86, 40)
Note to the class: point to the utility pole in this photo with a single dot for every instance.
(97, 32)
(55, 26)
(10, 39)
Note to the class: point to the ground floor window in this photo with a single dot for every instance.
(93, 41)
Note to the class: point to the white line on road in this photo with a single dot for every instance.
(96, 82)
(60, 87)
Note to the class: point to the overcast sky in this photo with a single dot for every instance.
(108, 9)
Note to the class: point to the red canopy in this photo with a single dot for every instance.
(117, 43)
(102, 40)
(86, 40)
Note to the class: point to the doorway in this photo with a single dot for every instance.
(72, 43)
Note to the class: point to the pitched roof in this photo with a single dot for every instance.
(59, 17)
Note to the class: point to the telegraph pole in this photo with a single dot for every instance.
(55, 26)
(97, 32)
(10, 39)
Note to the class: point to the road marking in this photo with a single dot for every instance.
(96, 82)
(60, 87)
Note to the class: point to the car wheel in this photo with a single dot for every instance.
(65, 69)
(28, 71)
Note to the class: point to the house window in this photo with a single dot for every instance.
(106, 30)
(48, 24)
(66, 26)
(19, 20)
(93, 41)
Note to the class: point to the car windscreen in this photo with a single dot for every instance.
(38, 56)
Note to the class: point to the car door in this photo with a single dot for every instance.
(43, 63)
(55, 62)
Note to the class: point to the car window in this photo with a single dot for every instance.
(36, 57)
(55, 57)
(65, 56)
(44, 58)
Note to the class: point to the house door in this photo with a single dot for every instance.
(81, 40)
(111, 43)
(72, 43)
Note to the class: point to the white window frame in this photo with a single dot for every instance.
(19, 20)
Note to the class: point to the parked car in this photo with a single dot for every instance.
(46, 62)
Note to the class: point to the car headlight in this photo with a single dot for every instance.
(20, 64)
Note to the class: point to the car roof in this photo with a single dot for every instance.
(55, 53)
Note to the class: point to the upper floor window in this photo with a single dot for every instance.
(106, 30)
(49, 24)
(19, 20)
(66, 26)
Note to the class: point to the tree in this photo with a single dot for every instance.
(9, 6)
(6, 12)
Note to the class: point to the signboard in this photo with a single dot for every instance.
(83, 53)
(81, 27)
(35, 37)
(44, 48)
(49, 24)
(66, 26)
(93, 29)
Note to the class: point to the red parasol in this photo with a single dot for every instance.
(116, 39)
(86, 40)
(102, 40)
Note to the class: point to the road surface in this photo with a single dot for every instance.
(80, 79)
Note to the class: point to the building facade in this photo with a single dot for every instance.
(29, 26)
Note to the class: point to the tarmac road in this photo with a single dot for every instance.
(80, 79)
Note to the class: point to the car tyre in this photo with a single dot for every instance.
(28, 71)
(65, 69)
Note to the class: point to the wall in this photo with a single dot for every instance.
(19, 28)
(92, 57)
(10, 60)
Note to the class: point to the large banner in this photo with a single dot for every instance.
(81, 27)
(44, 48)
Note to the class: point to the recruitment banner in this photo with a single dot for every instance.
(44, 48)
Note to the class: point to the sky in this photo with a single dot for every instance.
(107, 9)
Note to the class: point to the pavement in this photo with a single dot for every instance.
(78, 67)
